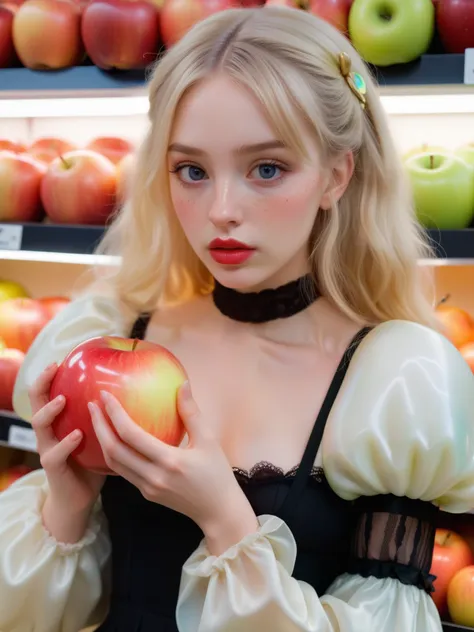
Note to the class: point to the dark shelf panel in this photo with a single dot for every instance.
(430, 69)
(452, 627)
(453, 244)
(16, 433)
(57, 238)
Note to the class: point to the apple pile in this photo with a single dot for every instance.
(442, 183)
(458, 326)
(69, 185)
(453, 565)
(21, 320)
(143, 376)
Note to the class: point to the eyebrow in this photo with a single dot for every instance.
(244, 149)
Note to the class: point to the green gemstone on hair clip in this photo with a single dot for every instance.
(359, 83)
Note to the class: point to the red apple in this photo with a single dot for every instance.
(467, 352)
(7, 50)
(9, 145)
(54, 304)
(143, 376)
(10, 363)
(291, 4)
(451, 553)
(112, 148)
(461, 597)
(456, 324)
(47, 149)
(121, 34)
(178, 16)
(455, 22)
(21, 320)
(125, 170)
(79, 188)
(336, 12)
(20, 182)
(12, 474)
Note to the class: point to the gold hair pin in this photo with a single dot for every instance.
(354, 80)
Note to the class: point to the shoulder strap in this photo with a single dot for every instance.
(312, 447)
(140, 326)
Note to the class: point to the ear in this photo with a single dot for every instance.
(340, 175)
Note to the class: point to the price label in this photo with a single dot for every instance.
(469, 66)
(10, 236)
(22, 438)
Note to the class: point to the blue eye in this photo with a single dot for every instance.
(268, 171)
(191, 173)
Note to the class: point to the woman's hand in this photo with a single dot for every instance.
(196, 481)
(72, 490)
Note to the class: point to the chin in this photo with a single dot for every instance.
(241, 278)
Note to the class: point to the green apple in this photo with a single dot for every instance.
(466, 152)
(443, 190)
(12, 289)
(425, 148)
(387, 32)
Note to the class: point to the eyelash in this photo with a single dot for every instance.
(273, 163)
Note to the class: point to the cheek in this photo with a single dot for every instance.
(186, 208)
(297, 205)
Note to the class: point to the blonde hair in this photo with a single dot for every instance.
(364, 251)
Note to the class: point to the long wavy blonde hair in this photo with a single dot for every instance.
(364, 252)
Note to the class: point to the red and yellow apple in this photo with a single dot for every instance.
(12, 474)
(7, 50)
(9, 145)
(47, 34)
(461, 597)
(20, 182)
(54, 304)
(10, 363)
(451, 554)
(12, 289)
(21, 320)
(178, 16)
(121, 34)
(467, 352)
(49, 148)
(125, 170)
(336, 12)
(113, 148)
(80, 187)
(456, 324)
(143, 376)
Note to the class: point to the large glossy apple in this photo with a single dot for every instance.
(79, 188)
(455, 22)
(336, 12)
(178, 16)
(388, 32)
(121, 34)
(12, 474)
(54, 304)
(48, 148)
(21, 320)
(10, 145)
(144, 377)
(451, 554)
(10, 363)
(47, 34)
(20, 182)
(7, 50)
(443, 190)
(12, 289)
(111, 147)
(456, 323)
(461, 597)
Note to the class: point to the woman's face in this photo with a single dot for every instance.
(246, 203)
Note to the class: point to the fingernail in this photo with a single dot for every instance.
(91, 407)
(76, 435)
(60, 399)
(51, 366)
(105, 396)
(186, 388)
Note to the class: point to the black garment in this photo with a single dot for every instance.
(150, 543)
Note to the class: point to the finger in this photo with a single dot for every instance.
(39, 391)
(42, 420)
(121, 458)
(56, 457)
(131, 434)
(189, 412)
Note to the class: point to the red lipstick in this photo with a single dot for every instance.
(230, 251)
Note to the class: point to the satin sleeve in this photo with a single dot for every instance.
(402, 424)
(46, 586)
(85, 317)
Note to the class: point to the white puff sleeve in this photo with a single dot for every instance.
(47, 586)
(402, 424)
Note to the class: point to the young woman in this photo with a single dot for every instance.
(270, 244)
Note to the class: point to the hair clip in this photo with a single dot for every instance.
(354, 80)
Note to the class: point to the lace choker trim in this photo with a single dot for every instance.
(270, 304)
(264, 471)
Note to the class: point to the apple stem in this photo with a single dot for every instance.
(445, 299)
(64, 161)
(135, 343)
(431, 161)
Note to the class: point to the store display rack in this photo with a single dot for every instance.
(452, 627)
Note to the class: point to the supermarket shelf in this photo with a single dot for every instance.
(453, 244)
(452, 627)
(16, 433)
(429, 70)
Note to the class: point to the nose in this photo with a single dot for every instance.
(225, 209)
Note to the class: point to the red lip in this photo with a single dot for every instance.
(228, 244)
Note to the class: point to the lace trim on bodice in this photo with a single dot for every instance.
(264, 470)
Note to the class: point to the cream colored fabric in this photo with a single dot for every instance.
(402, 423)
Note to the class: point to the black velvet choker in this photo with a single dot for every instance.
(260, 307)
